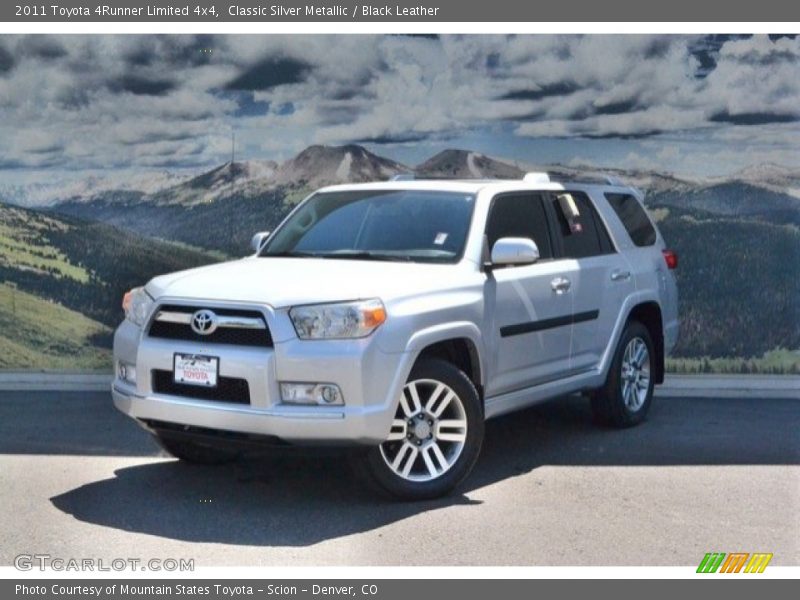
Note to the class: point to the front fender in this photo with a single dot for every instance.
(449, 331)
(422, 339)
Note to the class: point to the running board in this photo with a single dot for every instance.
(511, 401)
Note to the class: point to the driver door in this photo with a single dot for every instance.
(532, 306)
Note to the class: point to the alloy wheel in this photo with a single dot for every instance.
(635, 374)
(428, 432)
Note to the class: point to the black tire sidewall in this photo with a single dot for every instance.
(398, 487)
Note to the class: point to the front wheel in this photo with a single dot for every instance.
(436, 434)
(628, 392)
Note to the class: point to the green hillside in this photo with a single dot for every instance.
(739, 283)
(38, 334)
(225, 224)
(24, 244)
(67, 269)
(83, 265)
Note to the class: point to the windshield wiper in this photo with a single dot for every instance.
(345, 255)
(364, 255)
(290, 254)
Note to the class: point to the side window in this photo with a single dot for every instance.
(583, 233)
(519, 215)
(634, 218)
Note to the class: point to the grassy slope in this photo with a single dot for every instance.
(47, 335)
(70, 276)
(24, 243)
(774, 362)
(91, 264)
(225, 225)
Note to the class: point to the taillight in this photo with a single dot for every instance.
(671, 258)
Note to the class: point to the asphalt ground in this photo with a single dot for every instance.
(78, 479)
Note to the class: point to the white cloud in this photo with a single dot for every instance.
(111, 101)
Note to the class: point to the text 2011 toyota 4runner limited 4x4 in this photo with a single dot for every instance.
(400, 315)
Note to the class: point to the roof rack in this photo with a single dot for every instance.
(536, 177)
(544, 177)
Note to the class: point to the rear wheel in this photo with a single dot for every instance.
(628, 392)
(436, 434)
(192, 452)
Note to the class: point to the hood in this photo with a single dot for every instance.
(284, 282)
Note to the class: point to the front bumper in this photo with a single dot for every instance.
(370, 380)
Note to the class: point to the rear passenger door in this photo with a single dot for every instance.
(601, 282)
(529, 319)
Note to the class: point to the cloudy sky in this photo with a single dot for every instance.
(690, 105)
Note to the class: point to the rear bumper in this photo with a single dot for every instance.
(671, 330)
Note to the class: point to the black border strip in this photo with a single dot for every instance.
(531, 326)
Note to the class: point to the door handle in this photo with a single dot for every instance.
(560, 285)
(620, 275)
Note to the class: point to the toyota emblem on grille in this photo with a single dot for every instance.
(204, 322)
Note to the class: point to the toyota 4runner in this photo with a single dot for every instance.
(398, 317)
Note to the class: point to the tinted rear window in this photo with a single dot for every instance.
(634, 218)
(585, 235)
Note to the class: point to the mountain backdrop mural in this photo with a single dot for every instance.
(126, 156)
(70, 261)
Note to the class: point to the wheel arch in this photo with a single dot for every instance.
(459, 345)
(460, 352)
(649, 314)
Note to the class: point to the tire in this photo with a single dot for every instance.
(610, 404)
(436, 452)
(194, 453)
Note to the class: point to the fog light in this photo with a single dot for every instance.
(330, 394)
(126, 372)
(311, 393)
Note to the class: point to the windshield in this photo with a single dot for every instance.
(409, 225)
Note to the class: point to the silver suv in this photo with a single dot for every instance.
(398, 317)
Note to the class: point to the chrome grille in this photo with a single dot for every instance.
(233, 326)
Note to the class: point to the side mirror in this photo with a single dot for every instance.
(258, 240)
(514, 251)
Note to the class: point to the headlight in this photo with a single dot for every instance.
(137, 304)
(338, 321)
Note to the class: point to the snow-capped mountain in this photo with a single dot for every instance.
(247, 178)
(321, 165)
(464, 164)
(766, 189)
(313, 167)
(776, 178)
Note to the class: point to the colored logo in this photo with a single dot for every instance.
(735, 562)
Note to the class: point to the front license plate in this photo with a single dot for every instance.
(195, 369)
